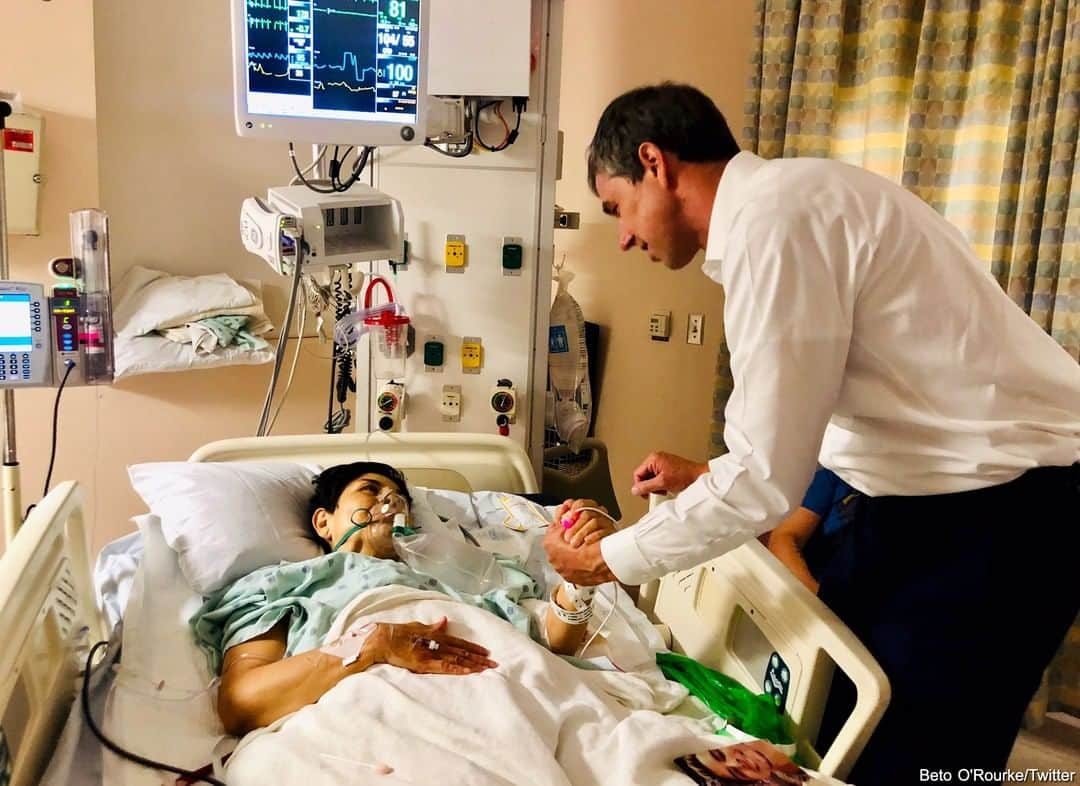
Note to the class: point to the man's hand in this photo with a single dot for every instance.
(665, 473)
(583, 526)
(427, 649)
(583, 565)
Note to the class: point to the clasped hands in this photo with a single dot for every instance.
(574, 551)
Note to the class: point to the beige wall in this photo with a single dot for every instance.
(49, 58)
(655, 396)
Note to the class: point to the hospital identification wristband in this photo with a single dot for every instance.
(578, 617)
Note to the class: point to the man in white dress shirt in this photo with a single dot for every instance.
(864, 334)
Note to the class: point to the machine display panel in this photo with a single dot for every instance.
(16, 325)
(334, 59)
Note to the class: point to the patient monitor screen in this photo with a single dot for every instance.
(333, 59)
(15, 324)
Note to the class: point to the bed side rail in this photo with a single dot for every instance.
(48, 615)
(745, 615)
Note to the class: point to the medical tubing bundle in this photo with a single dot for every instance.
(189, 775)
(283, 337)
(754, 714)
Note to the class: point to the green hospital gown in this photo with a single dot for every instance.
(312, 593)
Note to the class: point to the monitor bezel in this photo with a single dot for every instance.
(326, 130)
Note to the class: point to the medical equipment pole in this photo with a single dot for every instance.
(10, 473)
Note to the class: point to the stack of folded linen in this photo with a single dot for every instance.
(174, 323)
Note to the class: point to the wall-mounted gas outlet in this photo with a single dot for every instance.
(513, 254)
(390, 406)
(456, 254)
(472, 355)
(695, 329)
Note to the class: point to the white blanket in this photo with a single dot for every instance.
(535, 719)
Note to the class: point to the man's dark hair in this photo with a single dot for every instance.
(331, 482)
(678, 119)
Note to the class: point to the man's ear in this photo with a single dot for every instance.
(656, 163)
(320, 520)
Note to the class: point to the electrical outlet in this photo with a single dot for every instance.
(472, 355)
(660, 326)
(455, 254)
(695, 329)
(451, 403)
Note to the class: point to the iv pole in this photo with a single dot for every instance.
(12, 503)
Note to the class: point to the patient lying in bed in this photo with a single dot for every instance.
(265, 632)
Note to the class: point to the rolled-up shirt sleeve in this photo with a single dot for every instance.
(788, 318)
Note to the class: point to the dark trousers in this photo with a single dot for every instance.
(963, 599)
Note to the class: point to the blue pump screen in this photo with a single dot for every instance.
(15, 323)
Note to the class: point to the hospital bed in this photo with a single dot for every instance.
(742, 613)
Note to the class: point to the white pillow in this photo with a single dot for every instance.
(149, 300)
(225, 520)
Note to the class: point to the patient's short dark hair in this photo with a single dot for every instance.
(331, 482)
(678, 119)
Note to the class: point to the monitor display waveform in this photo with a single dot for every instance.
(333, 58)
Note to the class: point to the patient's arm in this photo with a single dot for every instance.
(563, 638)
(260, 685)
(584, 527)
(788, 540)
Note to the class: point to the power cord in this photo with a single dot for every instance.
(69, 365)
(464, 152)
(341, 367)
(189, 775)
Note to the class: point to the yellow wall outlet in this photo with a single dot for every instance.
(472, 355)
(455, 254)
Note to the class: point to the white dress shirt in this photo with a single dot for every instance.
(864, 333)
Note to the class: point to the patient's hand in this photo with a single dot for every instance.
(427, 649)
(585, 526)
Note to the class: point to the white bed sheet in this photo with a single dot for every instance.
(154, 354)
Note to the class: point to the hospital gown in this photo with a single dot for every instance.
(312, 593)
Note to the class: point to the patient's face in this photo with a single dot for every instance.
(362, 499)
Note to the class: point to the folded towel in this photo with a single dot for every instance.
(207, 335)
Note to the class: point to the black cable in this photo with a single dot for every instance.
(511, 137)
(55, 416)
(300, 175)
(459, 154)
(194, 777)
(337, 186)
(343, 381)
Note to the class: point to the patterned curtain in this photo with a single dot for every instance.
(974, 106)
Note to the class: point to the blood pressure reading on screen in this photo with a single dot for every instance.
(15, 330)
(334, 59)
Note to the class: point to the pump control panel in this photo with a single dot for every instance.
(26, 345)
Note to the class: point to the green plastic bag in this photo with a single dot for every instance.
(754, 714)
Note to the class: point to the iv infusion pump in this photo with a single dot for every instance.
(38, 336)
